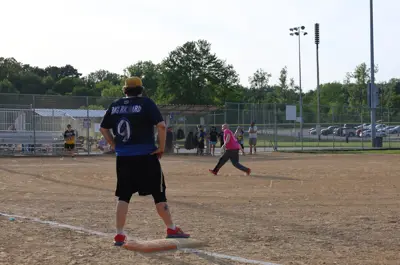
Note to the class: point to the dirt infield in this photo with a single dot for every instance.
(294, 209)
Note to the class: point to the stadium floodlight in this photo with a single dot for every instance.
(298, 31)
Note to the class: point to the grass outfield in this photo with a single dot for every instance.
(392, 152)
(289, 141)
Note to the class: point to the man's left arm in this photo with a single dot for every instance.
(157, 120)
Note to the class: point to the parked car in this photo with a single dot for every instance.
(329, 130)
(338, 132)
(365, 126)
(349, 125)
(394, 130)
(341, 131)
(313, 132)
(380, 126)
(367, 133)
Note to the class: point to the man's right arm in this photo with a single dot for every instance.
(105, 126)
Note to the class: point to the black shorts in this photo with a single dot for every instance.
(140, 174)
(69, 146)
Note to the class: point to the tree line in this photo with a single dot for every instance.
(193, 74)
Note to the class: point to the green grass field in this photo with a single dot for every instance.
(327, 142)
(392, 152)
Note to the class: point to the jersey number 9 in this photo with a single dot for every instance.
(124, 130)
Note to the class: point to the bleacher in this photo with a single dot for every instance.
(29, 142)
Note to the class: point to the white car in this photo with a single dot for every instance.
(367, 133)
(394, 130)
(364, 126)
(380, 126)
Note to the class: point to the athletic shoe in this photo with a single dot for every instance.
(119, 240)
(213, 172)
(177, 233)
(248, 172)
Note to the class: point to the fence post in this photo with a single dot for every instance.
(225, 113)
(388, 132)
(89, 123)
(275, 128)
(238, 116)
(214, 118)
(34, 124)
(362, 128)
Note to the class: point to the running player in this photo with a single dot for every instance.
(232, 148)
(132, 120)
(69, 141)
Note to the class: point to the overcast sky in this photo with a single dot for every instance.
(250, 34)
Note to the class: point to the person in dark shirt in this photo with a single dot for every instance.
(69, 140)
(213, 139)
(132, 120)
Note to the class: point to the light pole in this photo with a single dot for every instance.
(298, 31)
(372, 88)
(318, 127)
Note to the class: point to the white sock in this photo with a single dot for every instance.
(173, 227)
(120, 232)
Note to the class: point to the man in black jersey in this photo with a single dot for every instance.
(132, 120)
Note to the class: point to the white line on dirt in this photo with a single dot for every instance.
(187, 250)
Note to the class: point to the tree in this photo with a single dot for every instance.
(81, 90)
(66, 84)
(10, 69)
(356, 85)
(107, 89)
(58, 73)
(388, 92)
(103, 75)
(191, 73)
(7, 87)
(259, 85)
(112, 92)
(29, 83)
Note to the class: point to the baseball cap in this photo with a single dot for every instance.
(133, 82)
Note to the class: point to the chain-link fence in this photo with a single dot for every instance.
(34, 124)
(345, 127)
